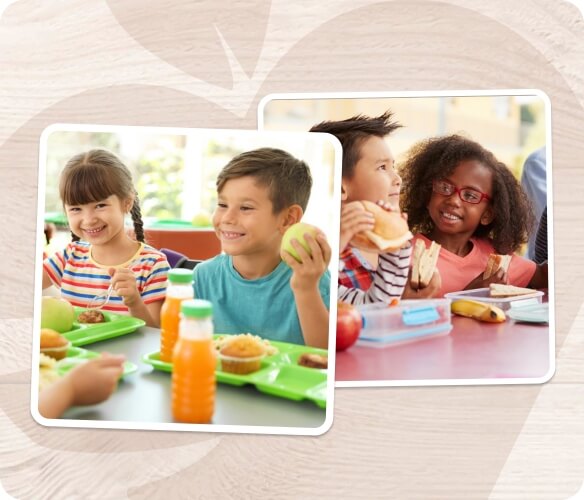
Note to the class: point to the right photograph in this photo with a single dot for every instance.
(446, 233)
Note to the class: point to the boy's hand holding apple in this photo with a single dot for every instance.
(306, 250)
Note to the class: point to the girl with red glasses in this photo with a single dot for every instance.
(458, 194)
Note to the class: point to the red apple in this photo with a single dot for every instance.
(348, 325)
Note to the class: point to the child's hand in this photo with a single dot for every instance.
(499, 277)
(390, 208)
(427, 292)
(354, 220)
(124, 284)
(306, 274)
(94, 381)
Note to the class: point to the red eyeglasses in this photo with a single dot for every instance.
(468, 195)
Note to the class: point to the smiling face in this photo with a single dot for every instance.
(98, 222)
(374, 177)
(243, 219)
(453, 216)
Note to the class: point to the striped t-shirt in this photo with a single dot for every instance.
(80, 278)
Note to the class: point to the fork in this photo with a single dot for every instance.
(102, 299)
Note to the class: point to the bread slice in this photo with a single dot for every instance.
(495, 263)
(390, 231)
(501, 291)
(424, 263)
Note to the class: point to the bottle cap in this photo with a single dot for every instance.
(180, 275)
(196, 308)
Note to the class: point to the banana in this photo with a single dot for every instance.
(478, 310)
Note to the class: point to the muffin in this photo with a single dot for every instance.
(242, 355)
(91, 316)
(53, 344)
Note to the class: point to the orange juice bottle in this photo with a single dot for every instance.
(180, 287)
(194, 360)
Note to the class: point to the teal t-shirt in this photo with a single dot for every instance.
(264, 306)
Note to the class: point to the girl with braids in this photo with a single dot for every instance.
(97, 192)
(458, 194)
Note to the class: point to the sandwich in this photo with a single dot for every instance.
(390, 231)
(495, 263)
(501, 291)
(424, 263)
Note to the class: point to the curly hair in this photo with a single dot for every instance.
(436, 158)
(353, 131)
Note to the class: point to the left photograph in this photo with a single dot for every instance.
(184, 279)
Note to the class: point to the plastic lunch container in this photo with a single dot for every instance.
(410, 320)
(504, 303)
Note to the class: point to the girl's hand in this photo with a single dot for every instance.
(499, 277)
(124, 284)
(427, 292)
(306, 274)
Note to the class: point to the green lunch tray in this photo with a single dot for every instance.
(76, 355)
(114, 326)
(279, 375)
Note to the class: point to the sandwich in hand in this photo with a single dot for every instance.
(424, 263)
(497, 290)
(390, 231)
(495, 263)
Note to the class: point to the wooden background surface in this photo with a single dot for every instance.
(207, 64)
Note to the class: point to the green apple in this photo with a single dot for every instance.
(297, 231)
(57, 314)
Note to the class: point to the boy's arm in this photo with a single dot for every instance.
(312, 312)
(389, 280)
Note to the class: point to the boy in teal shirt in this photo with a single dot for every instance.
(252, 287)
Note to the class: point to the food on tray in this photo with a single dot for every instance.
(57, 314)
(91, 316)
(47, 371)
(53, 344)
(478, 310)
(424, 263)
(503, 291)
(390, 231)
(222, 340)
(311, 360)
(242, 354)
(495, 263)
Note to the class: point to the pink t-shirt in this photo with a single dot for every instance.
(457, 272)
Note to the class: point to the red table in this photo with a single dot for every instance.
(472, 350)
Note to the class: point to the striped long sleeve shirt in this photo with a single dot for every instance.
(360, 284)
